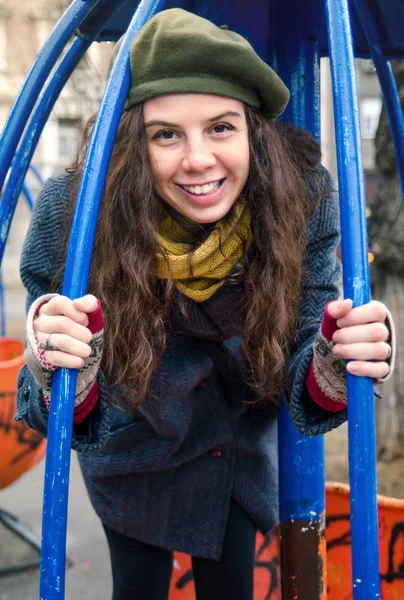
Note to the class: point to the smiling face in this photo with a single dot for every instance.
(199, 153)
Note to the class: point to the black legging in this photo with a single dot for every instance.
(143, 572)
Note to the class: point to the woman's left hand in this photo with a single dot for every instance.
(362, 337)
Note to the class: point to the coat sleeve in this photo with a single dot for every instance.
(41, 257)
(319, 286)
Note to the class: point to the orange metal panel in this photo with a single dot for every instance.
(21, 448)
(338, 539)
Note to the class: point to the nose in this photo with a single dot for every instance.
(198, 156)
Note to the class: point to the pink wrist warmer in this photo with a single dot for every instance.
(325, 379)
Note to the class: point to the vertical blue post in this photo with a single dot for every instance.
(54, 520)
(361, 425)
(301, 459)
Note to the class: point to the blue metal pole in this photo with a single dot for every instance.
(82, 235)
(301, 458)
(301, 512)
(37, 173)
(361, 427)
(33, 132)
(37, 76)
(387, 82)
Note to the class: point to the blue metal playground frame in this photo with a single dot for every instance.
(292, 35)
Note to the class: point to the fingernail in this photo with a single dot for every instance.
(352, 368)
(337, 349)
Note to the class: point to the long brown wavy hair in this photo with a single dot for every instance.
(283, 161)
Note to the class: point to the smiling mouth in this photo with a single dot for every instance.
(199, 190)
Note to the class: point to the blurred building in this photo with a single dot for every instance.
(24, 27)
(370, 106)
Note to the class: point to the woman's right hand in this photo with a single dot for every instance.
(66, 321)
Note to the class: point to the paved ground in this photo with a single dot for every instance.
(89, 578)
(14, 300)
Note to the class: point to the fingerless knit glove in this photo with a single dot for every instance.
(326, 379)
(42, 370)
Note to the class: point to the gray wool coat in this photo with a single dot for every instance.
(166, 474)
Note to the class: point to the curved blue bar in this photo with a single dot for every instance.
(26, 149)
(30, 199)
(362, 454)
(387, 82)
(37, 173)
(301, 458)
(32, 134)
(28, 195)
(75, 284)
(37, 76)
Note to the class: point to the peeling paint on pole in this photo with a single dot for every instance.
(303, 564)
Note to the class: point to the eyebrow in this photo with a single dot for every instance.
(229, 113)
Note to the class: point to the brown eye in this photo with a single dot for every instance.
(164, 135)
(221, 128)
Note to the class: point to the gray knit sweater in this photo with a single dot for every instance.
(166, 474)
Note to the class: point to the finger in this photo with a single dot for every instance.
(87, 304)
(363, 351)
(367, 313)
(61, 305)
(376, 370)
(370, 332)
(62, 359)
(65, 343)
(60, 324)
(339, 308)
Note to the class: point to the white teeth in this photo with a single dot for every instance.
(202, 189)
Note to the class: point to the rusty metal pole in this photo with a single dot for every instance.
(302, 513)
(301, 459)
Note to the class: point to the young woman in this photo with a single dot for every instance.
(215, 270)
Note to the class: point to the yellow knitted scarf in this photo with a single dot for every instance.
(199, 273)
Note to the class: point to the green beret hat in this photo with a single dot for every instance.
(178, 52)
